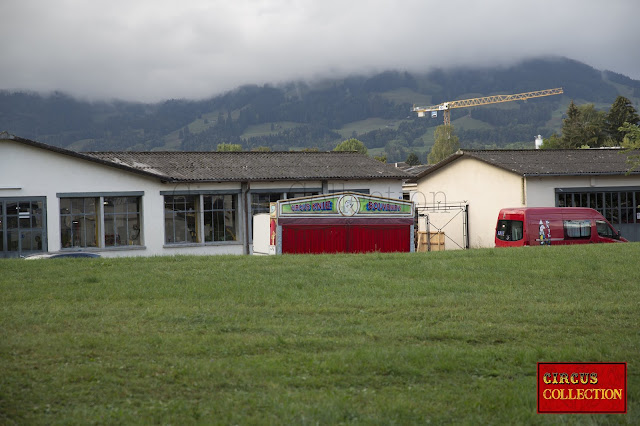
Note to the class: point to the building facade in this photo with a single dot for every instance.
(483, 182)
(161, 203)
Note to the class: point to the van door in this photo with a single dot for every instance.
(606, 234)
(545, 229)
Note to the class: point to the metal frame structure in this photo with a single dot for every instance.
(462, 207)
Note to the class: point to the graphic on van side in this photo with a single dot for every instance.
(545, 233)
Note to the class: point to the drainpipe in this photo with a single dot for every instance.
(247, 206)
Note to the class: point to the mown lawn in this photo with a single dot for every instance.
(449, 337)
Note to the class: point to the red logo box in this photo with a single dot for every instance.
(582, 387)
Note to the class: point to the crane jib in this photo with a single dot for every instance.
(445, 106)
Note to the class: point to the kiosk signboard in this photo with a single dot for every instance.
(345, 222)
(345, 204)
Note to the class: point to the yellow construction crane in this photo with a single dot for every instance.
(446, 107)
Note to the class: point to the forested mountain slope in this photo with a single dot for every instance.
(374, 109)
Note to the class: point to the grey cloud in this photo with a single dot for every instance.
(153, 50)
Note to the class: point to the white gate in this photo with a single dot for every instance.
(443, 226)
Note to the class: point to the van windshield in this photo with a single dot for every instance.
(604, 230)
(509, 230)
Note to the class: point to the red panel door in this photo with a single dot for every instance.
(341, 238)
(382, 238)
(314, 239)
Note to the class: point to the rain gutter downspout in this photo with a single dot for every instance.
(245, 201)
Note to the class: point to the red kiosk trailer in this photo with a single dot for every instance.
(344, 222)
(529, 226)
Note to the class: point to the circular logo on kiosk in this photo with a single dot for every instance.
(348, 205)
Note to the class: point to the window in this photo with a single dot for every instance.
(300, 194)
(180, 219)
(260, 201)
(360, 191)
(604, 230)
(200, 218)
(219, 218)
(577, 229)
(78, 222)
(121, 221)
(509, 230)
(618, 206)
(22, 226)
(100, 221)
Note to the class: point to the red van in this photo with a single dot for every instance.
(534, 226)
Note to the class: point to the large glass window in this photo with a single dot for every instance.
(509, 230)
(180, 219)
(219, 218)
(108, 221)
(1, 227)
(78, 222)
(618, 207)
(200, 218)
(260, 202)
(22, 226)
(121, 221)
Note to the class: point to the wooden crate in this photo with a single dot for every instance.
(435, 238)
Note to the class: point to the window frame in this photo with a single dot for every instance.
(619, 205)
(37, 217)
(101, 219)
(504, 235)
(200, 211)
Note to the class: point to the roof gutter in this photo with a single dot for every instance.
(579, 174)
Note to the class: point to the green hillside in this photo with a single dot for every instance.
(376, 109)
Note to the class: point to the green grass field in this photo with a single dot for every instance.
(415, 338)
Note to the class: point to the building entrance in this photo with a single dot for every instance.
(22, 226)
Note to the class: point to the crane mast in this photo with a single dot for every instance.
(446, 107)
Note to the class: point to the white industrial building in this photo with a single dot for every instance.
(161, 203)
(461, 196)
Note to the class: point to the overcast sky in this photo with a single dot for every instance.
(154, 50)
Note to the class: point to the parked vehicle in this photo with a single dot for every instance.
(61, 255)
(530, 226)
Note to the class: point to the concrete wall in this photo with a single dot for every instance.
(486, 189)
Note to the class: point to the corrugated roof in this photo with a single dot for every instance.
(235, 166)
(548, 162)
(254, 166)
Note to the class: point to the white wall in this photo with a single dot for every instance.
(541, 190)
(36, 172)
(486, 189)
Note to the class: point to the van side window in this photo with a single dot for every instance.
(604, 230)
(509, 230)
(577, 229)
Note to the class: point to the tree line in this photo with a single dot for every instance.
(587, 127)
